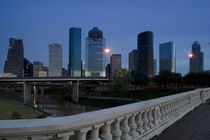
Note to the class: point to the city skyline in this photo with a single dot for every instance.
(183, 26)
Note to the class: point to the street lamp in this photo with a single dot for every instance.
(107, 50)
(190, 55)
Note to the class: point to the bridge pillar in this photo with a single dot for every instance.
(35, 94)
(26, 92)
(75, 89)
(42, 96)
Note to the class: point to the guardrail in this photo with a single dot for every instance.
(141, 120)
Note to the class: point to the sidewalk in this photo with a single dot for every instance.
(193, 126)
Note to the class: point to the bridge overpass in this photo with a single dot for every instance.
(142, 120)
(29, 83)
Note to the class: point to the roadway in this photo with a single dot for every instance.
(54, 79)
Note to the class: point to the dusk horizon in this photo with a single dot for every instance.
(178, 21)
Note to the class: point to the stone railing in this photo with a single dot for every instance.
(141, 120)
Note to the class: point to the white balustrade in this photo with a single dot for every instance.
(139, 123)
(125, 129)
(141, 120)
(133, 126)
(106, 134)
(116, 132)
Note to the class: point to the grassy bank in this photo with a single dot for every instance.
(14, 110)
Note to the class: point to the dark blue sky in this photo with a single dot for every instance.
(41, 22)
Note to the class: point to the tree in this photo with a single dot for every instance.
(168, 79)
(139, 79)
(201, 79)
(121, 80)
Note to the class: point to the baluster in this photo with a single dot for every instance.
(116, 133)
(173, 108)
(95, 132)
(81, 134)
(145, 120)
(157, 115)
(183, 105)
(125, 129)
(150, 118)
(133, 126)
(162, 118)
(65, 136)
(169, 109)
(176, 107)
(179, 105)
(139, 123)
(106, 135)
(166, 111)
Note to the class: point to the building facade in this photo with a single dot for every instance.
(145, 53)
(28, 68)
(37, 68)
(14, 63)
(75, 52)
(133, 57)
(167, 57)
(55, 60)
(115, 63)
(196, 61)
(108, 70)
(95, 57)
(155, 67)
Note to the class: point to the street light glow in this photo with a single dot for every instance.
(107, 50)
(190, 55)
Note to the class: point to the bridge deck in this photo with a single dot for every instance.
(193, 126)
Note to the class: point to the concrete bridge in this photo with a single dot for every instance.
(142, 120)
(30, 84)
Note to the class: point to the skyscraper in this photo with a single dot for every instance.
(196, 61)
(55, 60)
(133, 57)
(95, 60)
(15, 58)
(75, 52)
(37, 68)
(167, 57)
(155, 67)
(115, 63)
(108, 70)
(28, 68)
(145, 53)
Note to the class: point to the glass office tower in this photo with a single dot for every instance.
(15, 58)
(196, 61)
(55, 60)
(167, 57)
(95, 60)
(75, 52)
(145, 53)
(133, 57)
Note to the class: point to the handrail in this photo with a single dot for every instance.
(132, 121)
